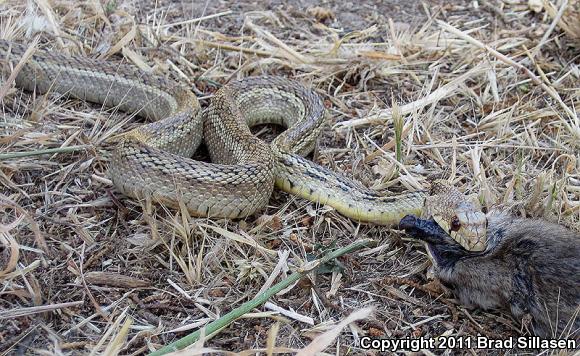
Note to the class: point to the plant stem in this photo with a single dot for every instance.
(259, 300)
(21, 154)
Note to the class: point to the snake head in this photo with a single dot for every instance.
(460, 216)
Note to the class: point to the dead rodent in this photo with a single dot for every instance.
(529, 267)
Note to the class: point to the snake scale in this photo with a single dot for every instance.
(153, 160)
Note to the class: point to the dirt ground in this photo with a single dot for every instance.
(138, 276)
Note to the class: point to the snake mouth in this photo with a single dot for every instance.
(426, 230)
(443, 250)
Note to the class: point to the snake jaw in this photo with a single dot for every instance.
(472, 234)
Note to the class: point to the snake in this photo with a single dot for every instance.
(153, 161)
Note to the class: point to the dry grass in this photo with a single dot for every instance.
(84, 269)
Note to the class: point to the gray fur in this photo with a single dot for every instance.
(530, 267)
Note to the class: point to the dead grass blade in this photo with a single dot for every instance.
(15, 313)
(324, 340)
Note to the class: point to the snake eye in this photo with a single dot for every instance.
(455, 224)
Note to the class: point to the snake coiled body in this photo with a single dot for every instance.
(154, 161)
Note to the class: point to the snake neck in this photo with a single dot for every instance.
(299, 176)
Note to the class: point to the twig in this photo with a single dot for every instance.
(289, 313)
(196, 20)
(18, 312)
(227, 319)
(4, 156)
(226, 47)
(551, 28)
(281, 45)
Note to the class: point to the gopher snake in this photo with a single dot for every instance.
(153, 159)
